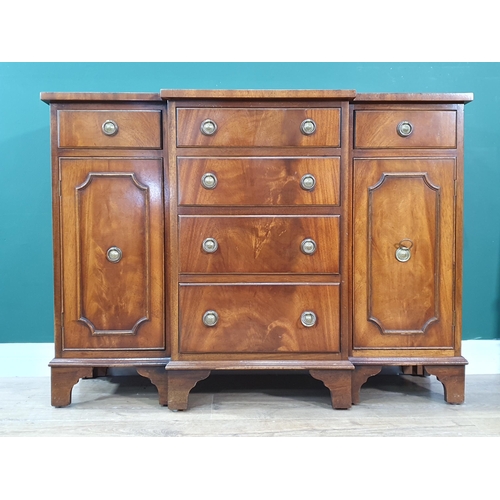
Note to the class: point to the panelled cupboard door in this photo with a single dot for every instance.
(112, 253)
(404, 230)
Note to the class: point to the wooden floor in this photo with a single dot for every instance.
(291, 405)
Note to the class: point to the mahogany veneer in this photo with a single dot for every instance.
(407, 162)
(257, 230)
(250, 127)
(273, 181)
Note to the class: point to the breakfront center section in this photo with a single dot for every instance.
(261, 226)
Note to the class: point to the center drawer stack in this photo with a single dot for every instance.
(260, 230)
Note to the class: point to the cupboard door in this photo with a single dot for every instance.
(404, 245)
(112, 253)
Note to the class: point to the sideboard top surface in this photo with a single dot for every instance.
(49, 97)
(414, 97)
(166, 94)
(257, 94)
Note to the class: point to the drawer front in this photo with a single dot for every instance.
(242, 127)
(388, 129)
(259, 318)
(125, 129)
(259, 244)
(259, 181)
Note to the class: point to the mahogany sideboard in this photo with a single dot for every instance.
(201, 230)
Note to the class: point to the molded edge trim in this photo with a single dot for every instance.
(415, 97)
(50, 97)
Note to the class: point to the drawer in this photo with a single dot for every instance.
(109, 129)
(258, 181)
(251, 127)
(255, 318)
(388, 129)
(259, 244)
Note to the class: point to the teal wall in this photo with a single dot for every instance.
(26, 286)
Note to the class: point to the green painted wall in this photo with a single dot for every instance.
(26, 286)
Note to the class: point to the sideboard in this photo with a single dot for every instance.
(202, 230)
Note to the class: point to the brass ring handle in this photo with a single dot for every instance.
(208, 127)
(210, 245)
(308, 319)
(308, 246)
(114, 254)
(403, 253)
(404, 128)
(210, 318)
(308, 182)
(308, 126)
(109, 127)
(209, 181)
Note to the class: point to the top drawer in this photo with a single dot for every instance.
(250, 127)
(109, 129)
(405, 129)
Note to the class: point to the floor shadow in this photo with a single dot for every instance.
(389, 380)
(262, 382)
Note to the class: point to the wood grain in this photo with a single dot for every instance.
(83, 129)
(257, 94)
(420, 97)
(259, 318)
(431, 129)
(262, 244)
(108, 203)
(246, 127)
(53, 97)
(258, 181)
(180, 384)
(389, 313)
(339, 384)
(403, 304)
(453, 380)
(62, 381)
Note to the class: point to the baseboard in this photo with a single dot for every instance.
(483, 356)
(25, 360)
(31, 360)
